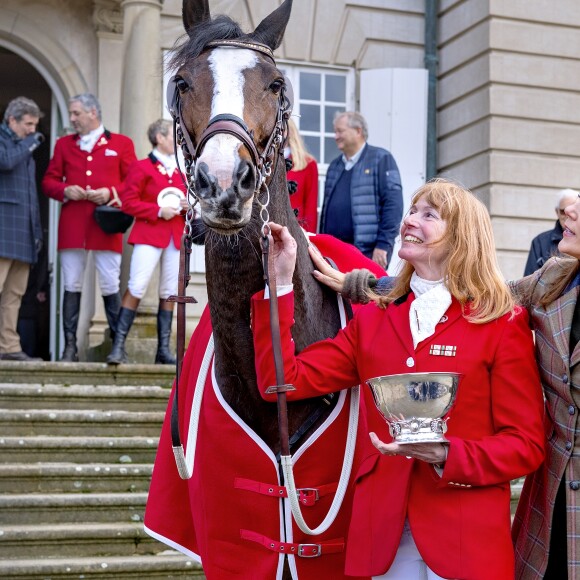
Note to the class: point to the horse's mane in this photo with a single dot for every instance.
(191, 45)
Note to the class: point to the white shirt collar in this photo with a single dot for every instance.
(87, 142)
(432, 299)
(168, 161)
(350, 163)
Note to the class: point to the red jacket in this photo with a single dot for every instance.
(145, 180)
(105, 166)
(461, 521)
(305, 198)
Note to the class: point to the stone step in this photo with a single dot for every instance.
(153, 567)
(68, 540)
(78, 449)
(74, 478)
(51, 422)
(127, 398)
(60, 373)
(62, 508)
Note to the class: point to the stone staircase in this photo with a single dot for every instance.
(77, 444)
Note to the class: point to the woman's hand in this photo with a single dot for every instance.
(168, 213)
(325, 273)
(283, 251)
(428, 452)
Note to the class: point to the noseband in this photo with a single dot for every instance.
(231, 124)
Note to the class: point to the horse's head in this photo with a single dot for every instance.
(229, 99)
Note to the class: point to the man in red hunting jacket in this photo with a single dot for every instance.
(85, 169)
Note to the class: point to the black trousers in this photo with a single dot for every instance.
(558, 557)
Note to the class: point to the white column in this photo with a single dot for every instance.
(142, 72)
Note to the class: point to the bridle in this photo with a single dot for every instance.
(262, 162)
(231, 124)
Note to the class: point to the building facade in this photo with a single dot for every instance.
(499, 112)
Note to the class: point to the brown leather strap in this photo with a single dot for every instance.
(270, 279)
(182, 299)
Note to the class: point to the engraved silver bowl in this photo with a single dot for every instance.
(415, 404)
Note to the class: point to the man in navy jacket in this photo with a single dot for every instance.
(363, 197)
(20, 229)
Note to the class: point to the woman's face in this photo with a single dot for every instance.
(570, 243)
(421, 228)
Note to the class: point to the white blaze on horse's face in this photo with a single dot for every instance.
(221, 151)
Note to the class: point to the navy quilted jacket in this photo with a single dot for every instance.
(20, 229)
(376, 198)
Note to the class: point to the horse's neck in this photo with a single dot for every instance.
(234, 274)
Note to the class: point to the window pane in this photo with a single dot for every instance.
(329, 112)
(310, 117)
(331, 151)
(310, 86)
(335, 88)
(313, 146)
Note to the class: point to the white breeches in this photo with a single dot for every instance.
(143, 262)
(408, 564)
(108, 264)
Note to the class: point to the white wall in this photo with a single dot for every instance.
(394, 103)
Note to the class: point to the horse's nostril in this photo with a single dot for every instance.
(205, 183)
(245, 178)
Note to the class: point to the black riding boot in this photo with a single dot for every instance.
(71, 304)
(124, 323)
(112, 307)
(164, 356)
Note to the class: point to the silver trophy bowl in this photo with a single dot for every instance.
(415, 404)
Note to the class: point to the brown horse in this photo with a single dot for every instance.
(231, 104)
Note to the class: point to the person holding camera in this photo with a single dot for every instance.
(20, 228)
(85, 171)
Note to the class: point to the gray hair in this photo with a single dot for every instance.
(162, 126)
(563, 193)
(88, 102)
(355, 121)
(21, 106)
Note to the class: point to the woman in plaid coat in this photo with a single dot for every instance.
(546, 528)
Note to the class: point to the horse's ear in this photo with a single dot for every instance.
(271, 30)
(194, 12)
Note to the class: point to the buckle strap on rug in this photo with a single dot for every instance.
(301, 550)
(307, 496)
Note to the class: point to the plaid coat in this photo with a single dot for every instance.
(20, 229)
(559, 376)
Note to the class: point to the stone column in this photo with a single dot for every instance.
(142, 73)
(141, 97)
(108, 23)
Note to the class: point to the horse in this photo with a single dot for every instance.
(231, 102)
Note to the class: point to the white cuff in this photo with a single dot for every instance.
(280, 290)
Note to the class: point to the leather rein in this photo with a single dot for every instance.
(262, 162)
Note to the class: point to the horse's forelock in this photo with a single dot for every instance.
(221, 27)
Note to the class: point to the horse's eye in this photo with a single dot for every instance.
(276, 86)
(182, 86)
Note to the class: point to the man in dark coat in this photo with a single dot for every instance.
(20, 229)
(545, 245)
(363, 196)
